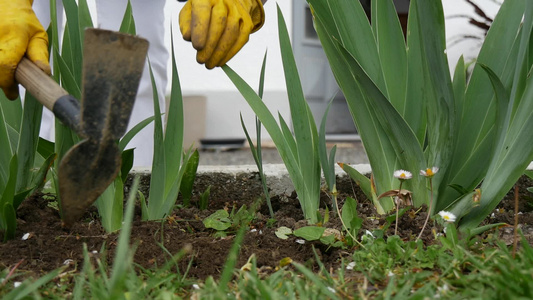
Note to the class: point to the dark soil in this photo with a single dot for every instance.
(51, 246)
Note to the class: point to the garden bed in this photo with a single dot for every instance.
(50, 246)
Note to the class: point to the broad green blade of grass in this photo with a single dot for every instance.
(174, 128)
(392, 53)
(417, 88)
(459, 88)
(132, 132)
(12, 111)
(9, 217)
(440, 106)
(287, 134)
(404, 142)
(84, 18)
(75, 45)
(5, 150)
(28, 141)
(167, 167)
(159, 169)
(123, 255)
(110, 206)
(303, 125)
(9, 191)
(327, 168)
(187, 181)
(502, 109)
(395, 129)
(231, 260)
(347, 23)
(377, 146)
(128, 23)
(270, 124)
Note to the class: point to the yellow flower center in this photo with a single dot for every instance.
(402, 175)
(429, 172)
(446, 217)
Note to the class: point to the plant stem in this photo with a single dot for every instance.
(429, 209)
(515, 234)
(397, 202)
(334, 194)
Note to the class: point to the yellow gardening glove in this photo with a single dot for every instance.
(20, 33)
(218, 29)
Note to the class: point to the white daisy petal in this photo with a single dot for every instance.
(350, 266)
(447, 216)
(402, 174)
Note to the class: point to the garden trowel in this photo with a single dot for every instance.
(112, 67)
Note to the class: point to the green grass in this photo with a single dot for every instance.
(388, 268)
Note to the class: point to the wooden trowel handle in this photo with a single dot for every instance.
(49, 93)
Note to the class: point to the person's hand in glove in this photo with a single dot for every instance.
(218, 29)
(20, 34)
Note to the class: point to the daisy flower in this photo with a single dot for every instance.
(402, 174)
(429, 172)
(447, 216)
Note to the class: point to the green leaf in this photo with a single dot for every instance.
(441, 103)
(110, 206)
(45, 148)
(378, 147)
(361, 180)
(328, 165)
(174, 131)
(481, 229)
(128, 23)
(189, 176)
(75, 42)
(31, 285)
(9, 191)
(514, 153)
(10, 221)
(283, 232)
(6, 151)
(328, 239)
(418, 87)
(127, 164)
(28, 141)
(123, 254)
(310, 233)
(451, 234)
(133, 132)
(502, 104)
(463, 205)
(302, 123)
(219, 220)
(204, 198)
(475, 135)
(392, 52)
(158, 178)
(459, 89)
(11, 112)
(349, 212)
